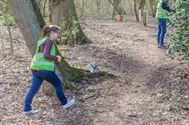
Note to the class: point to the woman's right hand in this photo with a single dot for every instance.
(59, 59)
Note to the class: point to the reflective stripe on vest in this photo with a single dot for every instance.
(44, 63)
(39, 55)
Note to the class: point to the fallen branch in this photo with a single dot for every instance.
(20, 60)
(168, 68)
(14, 39)
(8, 66)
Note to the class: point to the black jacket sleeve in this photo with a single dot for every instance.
(165, 6)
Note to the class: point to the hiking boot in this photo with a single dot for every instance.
(69, 103)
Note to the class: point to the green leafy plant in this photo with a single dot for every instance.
(179, 45)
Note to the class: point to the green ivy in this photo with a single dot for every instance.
(70, 30)
(10, 19)
(4, 12)
(179, 45)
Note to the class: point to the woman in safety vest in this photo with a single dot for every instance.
(163, 10)
(43, 68)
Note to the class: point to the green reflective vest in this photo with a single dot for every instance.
(161, 13)
(39, 62)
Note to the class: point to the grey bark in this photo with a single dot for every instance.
(27, 20)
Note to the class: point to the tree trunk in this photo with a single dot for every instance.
(153, 7)
(63, 13)
(28, 19)
(5, 15)
(98, 7)
(144, 12)
(82, 8)
(145, 17)
(136, 10)
(116, 7)
(113, 14)
(44, 8)
(142, 4)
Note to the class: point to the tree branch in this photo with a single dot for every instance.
(4, 1)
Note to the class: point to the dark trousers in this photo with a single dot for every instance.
(161, 31)
(37, 79)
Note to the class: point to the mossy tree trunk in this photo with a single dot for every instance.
(63, 13)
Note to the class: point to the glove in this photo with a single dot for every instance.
(59, 59)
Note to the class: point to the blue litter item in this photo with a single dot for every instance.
(93, 68)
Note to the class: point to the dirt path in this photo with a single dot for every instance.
(127, 104)
(134, 105)
(127, 50)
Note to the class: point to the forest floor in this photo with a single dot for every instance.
(150, 88)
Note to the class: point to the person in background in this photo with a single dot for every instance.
(162, 13)
(43, 68)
